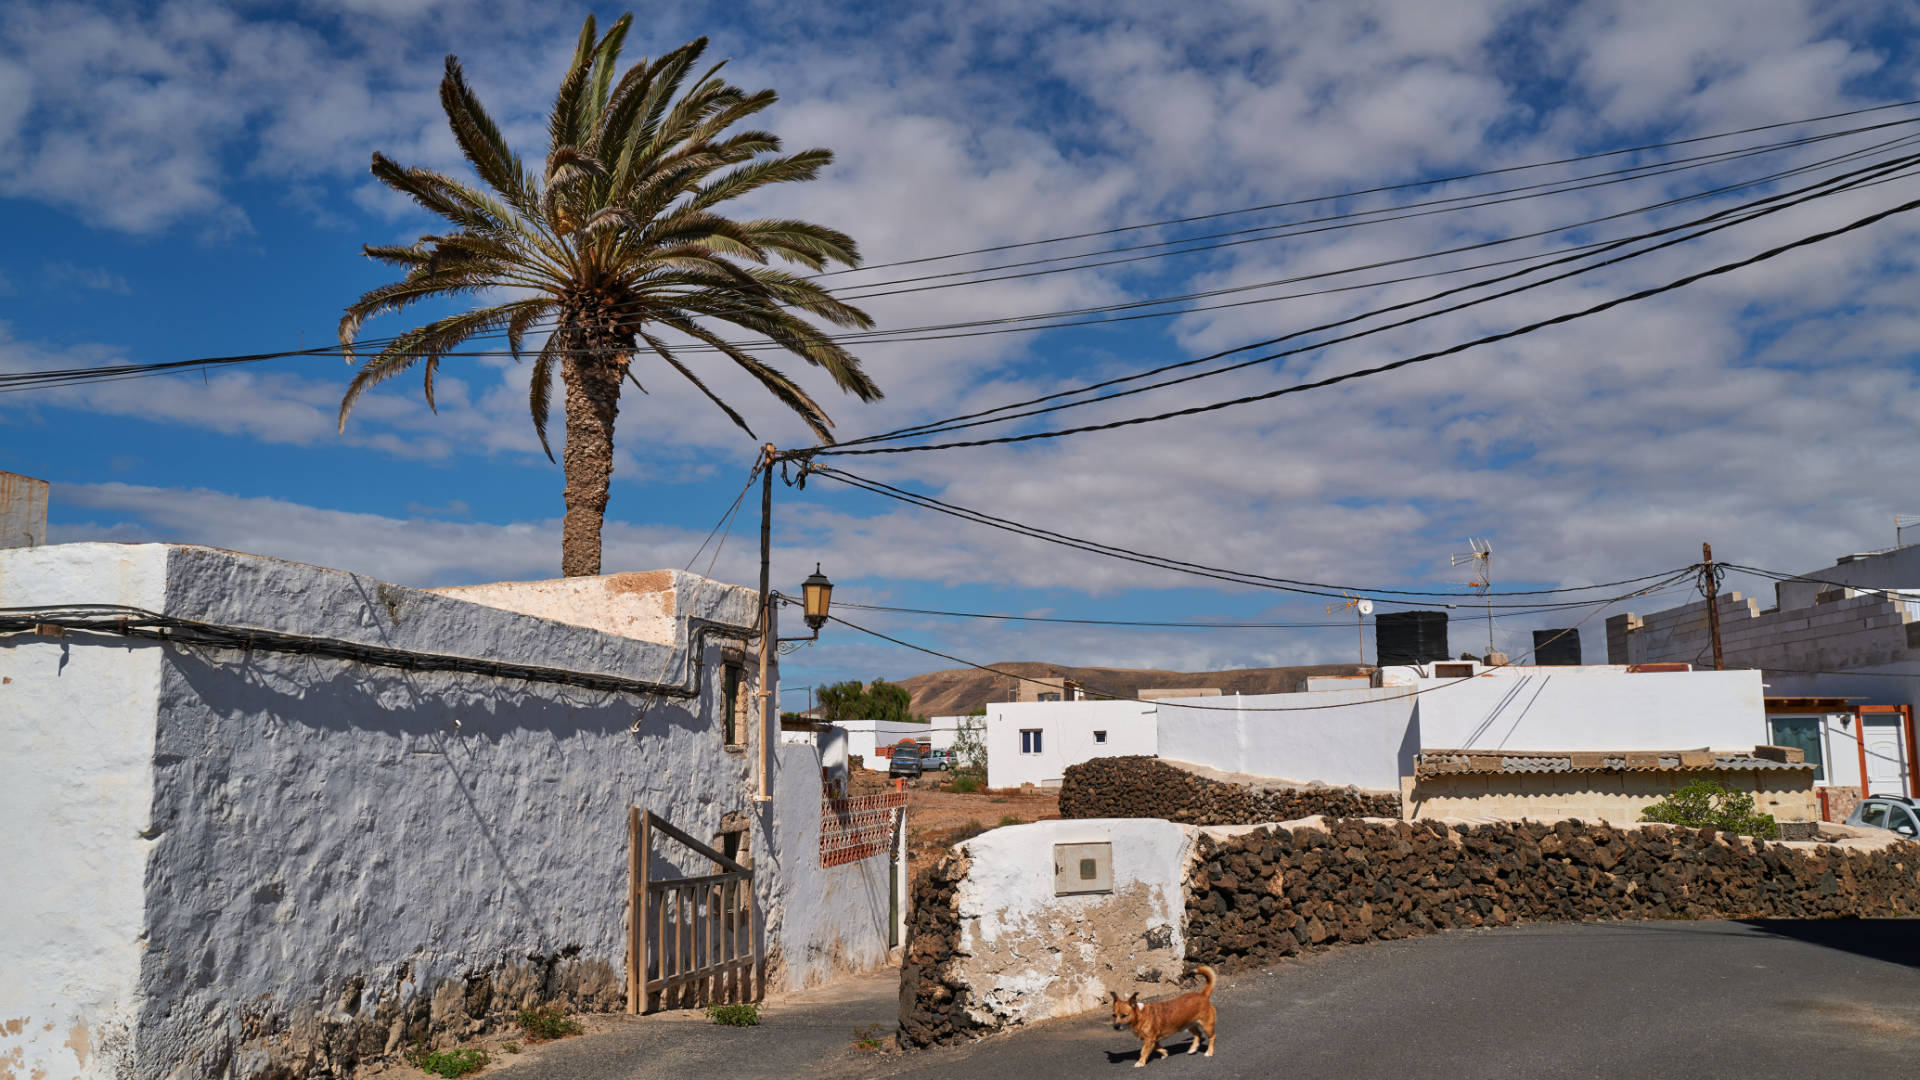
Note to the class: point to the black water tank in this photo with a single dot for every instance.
(1560, 648)
(1410, 637)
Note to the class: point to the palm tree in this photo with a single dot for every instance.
(617, 242)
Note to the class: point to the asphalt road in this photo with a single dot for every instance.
(1643, 1001)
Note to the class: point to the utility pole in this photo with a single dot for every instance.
(1710, 588)
(763, 787)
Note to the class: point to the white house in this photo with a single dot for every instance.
(873, 740)
(1840, 653)
(1034, 742)
(273, 818)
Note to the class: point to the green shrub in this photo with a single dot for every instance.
(869, 1039)
(745, 1014)
(548, 1022)
(1010, 819)
(964, 783)
(1704, 804)
(457, 1062)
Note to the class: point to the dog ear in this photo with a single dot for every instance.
(1134, 1000)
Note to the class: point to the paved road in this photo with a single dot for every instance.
(1645, 1001)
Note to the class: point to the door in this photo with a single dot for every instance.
(1883, 743)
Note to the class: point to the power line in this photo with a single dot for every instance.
(1410, 185)
(1310, 588)
(1520, 331)
(1153, 624)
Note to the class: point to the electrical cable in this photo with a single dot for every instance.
(1416, 692)
(119, 621)
(1736, 216)
(1409, 185)
(1505, 335)
(1311, 588)
(726, 520)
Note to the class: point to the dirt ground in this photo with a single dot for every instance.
(937, 818)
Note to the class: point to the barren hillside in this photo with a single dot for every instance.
(961, 690)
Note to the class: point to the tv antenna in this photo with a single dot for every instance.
(1481, 556)
(1361, 608)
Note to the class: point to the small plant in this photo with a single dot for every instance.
(1010, 819)
(869, 1039)
(548, 1022)
(1704, 804)
(964, 782)
(745, 1014)
(510, 1047)
(456, 1062)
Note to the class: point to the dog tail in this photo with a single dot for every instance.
(1207, 974)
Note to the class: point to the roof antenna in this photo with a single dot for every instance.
(1481, 556)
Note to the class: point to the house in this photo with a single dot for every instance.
(873, 740)
(1839, 650)
(271, 813)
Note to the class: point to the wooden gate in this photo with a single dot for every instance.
(691, 941)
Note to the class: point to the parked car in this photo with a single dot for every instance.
(938, 758)
(1896, 812)
(905, 760)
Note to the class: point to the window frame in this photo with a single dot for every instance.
(733, 682)
(1032, 742)
(1100, 738)
(1819, 721)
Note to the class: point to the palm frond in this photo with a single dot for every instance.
(480, 140)
(805, 165)
(786, 390)
(605, 59)
(563, 121)
(428, 343)
(666, 354)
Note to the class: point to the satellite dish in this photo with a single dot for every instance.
(1365, 607)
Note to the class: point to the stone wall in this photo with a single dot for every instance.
(1283, 890)
(933, 998)
(1135, 787)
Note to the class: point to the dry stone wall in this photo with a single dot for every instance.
(1145, 787)
(933, 1000)
(1285, 890)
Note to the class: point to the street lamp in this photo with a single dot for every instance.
(816, 594)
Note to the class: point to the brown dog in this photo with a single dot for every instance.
(1158, 1019)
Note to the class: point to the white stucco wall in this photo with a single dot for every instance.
(75, 815)
(867, 737)
(1362, 739)
(1568, 708)
(237, 839)
(1027, 954)
(831, 920)
(1067, 737)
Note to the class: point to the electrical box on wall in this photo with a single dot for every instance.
(1082, 868)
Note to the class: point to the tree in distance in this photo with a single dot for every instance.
(883, 701)
(619, 240)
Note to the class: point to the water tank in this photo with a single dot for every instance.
(1560, 648)
(1410, 637)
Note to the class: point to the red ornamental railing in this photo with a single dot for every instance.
(858, 827)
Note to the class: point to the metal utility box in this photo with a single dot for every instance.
(1082, 868)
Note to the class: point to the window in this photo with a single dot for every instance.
(1029, 740)
(1901, 821)
(1099, 736)
(730, 703)
(1874, 814)
(1803, 733)
(1048, 697)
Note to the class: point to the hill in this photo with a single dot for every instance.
(959, 691)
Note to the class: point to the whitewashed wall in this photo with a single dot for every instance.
(1067, 737)
(75, 815)
(1361, 740)
(829, 920)
(262, 832)
(867, 737)
(1027, 954)
(1545, 708)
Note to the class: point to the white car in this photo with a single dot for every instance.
(1896, 812)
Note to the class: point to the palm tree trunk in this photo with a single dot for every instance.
(592, 376)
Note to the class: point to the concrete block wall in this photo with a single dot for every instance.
(1865, 630)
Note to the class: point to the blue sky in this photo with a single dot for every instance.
(189, 179)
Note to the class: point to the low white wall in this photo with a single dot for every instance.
(1027, 954)
(1362, 740)
(75, 815)
(868, 737)
(1067, 737)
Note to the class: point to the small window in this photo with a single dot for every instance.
(1901, 821)
(1802, 732)
(1048, 697)
(1029, 740)
(1099, 736)
(1874, 814)
(730, 706)
(1453, 671)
